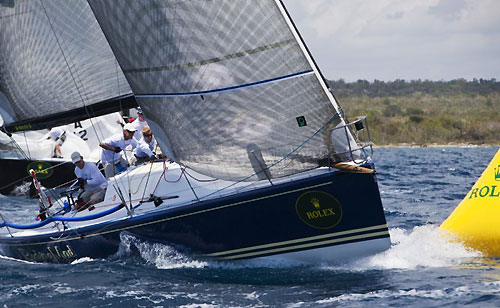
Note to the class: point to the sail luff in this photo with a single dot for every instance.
(351, 142)
(307, 53)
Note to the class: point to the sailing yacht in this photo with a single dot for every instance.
(261, 160)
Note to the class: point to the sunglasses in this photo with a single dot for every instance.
(147, 135)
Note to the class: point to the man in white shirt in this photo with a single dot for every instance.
(146, 146)
(139, 123)
(90, 180)
(58, 136)
(111, 148)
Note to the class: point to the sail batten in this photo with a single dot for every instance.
(208, 61)
(54, 63)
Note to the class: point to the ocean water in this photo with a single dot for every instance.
(419, 186)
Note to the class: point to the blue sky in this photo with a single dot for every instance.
(401, 39)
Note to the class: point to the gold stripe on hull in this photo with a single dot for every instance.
(307, 239)
(306, 246)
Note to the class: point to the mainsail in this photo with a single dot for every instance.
(227, 86)
(56, 66)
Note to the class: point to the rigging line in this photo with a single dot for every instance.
(165, 168)
(180, 176)
(62, 184)
(18, 147)
(4, 221)
(247, 85)
(62, 52)
(199, 180)
(128, 176)
(69, 68)
(140, 183)
(147, 181)
(282, 159)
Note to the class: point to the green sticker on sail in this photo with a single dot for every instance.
(301, 121)
(318, 209)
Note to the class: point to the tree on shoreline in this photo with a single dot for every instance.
(425, 112)
(400, 87)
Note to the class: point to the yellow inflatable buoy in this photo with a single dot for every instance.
(476, 220)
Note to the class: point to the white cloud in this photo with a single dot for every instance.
(390, 39)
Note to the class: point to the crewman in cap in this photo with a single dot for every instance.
(111, 147)
(58, 136)
(91, 180)
(139, 123)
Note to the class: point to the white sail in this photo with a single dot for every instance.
(55, 65)
(227, 86)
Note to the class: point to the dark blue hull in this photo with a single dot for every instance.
(50, 173)
(328, 210)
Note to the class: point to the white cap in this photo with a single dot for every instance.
(130, 127)
(75, 157)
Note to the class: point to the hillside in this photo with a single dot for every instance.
(425, 112)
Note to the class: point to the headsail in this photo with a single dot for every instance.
(56, 66)
(227, 86)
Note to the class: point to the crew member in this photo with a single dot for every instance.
(90, 180)
(58, 136)
(139, 123)
(111, 147)
(146, 146)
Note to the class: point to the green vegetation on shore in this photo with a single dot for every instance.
(425, 112)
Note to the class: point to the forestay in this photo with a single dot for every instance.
(55, 65)
(227, 86)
